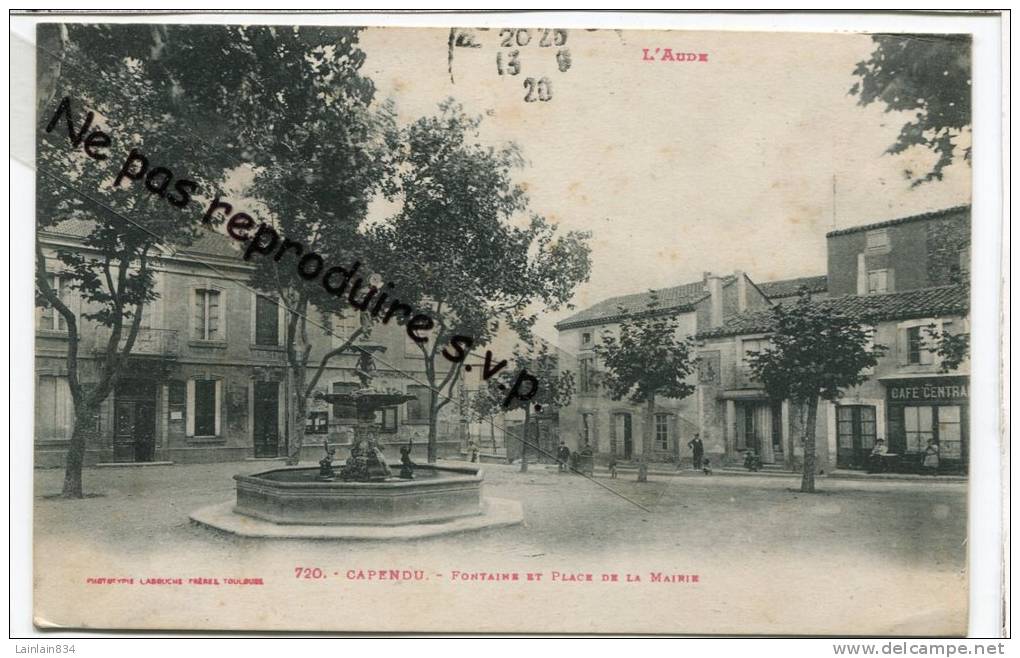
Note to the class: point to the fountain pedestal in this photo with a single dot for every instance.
(362, 499)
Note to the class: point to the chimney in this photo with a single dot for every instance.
(741, 291)
(714, 285)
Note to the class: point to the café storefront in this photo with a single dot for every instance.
(929, 408)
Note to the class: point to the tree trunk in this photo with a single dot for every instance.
(807, 484)
(648, 436)
(492, 434)
(83, 419)
(524, 442)
(433, 421)
(296, 435)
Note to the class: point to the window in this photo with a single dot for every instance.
(877, 240)
(203, 407)
(914, 345)
(50, 318)
(177, 400)
(54, 408)
(267, 321)
(587, 428)
(662, 431)
(318, 423)
(585, 339)
(342, 328)
(387, 419)
(855, 427)
(344, 410)
(878, 282)
(919, 427)
(208, 323)
(418, 409)
(950, 437)
(585, 372)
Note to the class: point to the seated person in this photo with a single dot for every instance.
(930, 465)
(875, 463)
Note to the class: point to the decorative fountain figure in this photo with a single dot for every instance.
(406, 465)
(361, 499)
(366, 462)
(326, 472)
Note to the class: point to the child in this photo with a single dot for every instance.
(706, 467)
(612, 468)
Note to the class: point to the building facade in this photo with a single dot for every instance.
(207, 378)
(913, 275)
(616, 427)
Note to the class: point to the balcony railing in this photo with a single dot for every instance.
(148, 342)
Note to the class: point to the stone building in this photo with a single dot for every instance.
(206, 380)
(907, 275)
(615, 427)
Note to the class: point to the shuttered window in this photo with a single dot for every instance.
(54, 408)
(207, 320)
(267, 321)
(205, 408)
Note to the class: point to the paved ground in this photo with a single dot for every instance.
(859, 557)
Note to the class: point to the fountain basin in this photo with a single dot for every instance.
(293, 496)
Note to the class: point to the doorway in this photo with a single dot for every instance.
(624, 440)
(855, 435)
(266, 416)
(134, 427)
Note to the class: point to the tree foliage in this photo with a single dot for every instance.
(813, 353)
(928, 75)
(318, 151)
(649, 358)
(952, 349)
(109, 71)
(465, 247)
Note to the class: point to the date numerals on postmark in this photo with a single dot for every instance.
(508, 37)
(508, 60)
(537, 90)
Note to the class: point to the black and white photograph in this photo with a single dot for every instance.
(502, 329)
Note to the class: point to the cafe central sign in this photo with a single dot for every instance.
(928, 390)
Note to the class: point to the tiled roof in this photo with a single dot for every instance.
(934, 214)
(790, 287)
(209, 242)
(676, 298)
(926, 302)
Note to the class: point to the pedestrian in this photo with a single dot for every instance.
(875, 459)
(930, 465)
(612, 467)
(698, 448)
(473, 451)
(563, 456)
(706, 467)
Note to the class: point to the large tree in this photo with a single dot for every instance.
(465, 249)
(318, 153)
(813, 352)
(99, 98)
(648, 359)
(930, 76)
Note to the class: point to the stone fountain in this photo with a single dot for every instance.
(361, 499)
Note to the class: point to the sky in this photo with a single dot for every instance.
(742, 162)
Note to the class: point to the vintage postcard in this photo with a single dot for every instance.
(513, 329)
